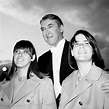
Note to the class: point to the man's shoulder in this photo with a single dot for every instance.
(45, 54)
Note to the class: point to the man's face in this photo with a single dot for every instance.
(51, 32)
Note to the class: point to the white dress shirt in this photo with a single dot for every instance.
(56, 57)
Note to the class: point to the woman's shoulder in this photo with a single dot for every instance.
(43, 80)
(104, 76)
(3, 84)
(69, 78)
(44, 83)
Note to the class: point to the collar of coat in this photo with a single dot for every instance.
(69, 83)
(28, 86)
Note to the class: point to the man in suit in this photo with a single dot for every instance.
(54, 62)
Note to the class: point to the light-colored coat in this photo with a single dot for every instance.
(34, 94)
(87, 94)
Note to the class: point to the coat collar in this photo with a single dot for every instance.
(94, 73)
(69, 85)
(28, 86)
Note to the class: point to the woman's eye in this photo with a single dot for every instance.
(76, 44)
(87, 43)
(25, 52)
(16, 51)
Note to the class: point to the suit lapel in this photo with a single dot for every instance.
(50, 67)
(65, 69)
(64, 55)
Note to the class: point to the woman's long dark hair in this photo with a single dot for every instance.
(96, 57)
(25, 44)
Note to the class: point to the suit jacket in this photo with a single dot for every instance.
(87, 94)
(45, 63)
(34, 94)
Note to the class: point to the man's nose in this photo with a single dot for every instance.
(47, 31)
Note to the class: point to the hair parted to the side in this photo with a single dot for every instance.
(96, 57)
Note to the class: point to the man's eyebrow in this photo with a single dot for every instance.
(49, 24)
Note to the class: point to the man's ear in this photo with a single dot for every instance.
(62, 28)
(33, 58)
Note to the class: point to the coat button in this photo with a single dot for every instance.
(80, 103)
(1, 99)
(28, 100)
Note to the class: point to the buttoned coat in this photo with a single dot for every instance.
(87, 94)
(45, 63)
(34, 94)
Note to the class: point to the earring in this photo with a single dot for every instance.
(33, 58)
(72, 53)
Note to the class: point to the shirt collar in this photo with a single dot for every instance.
(59, 46)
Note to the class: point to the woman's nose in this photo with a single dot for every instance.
(81, 45)
(20, 53)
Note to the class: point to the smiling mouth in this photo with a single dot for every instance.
(49, 36)
(19, 59)
(82, 52)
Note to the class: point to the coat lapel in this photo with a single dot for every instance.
(65, 69)
(72, 91)
(79, 89)
(8, 90)
(70, 88)
(69, 84)
(27, 87)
